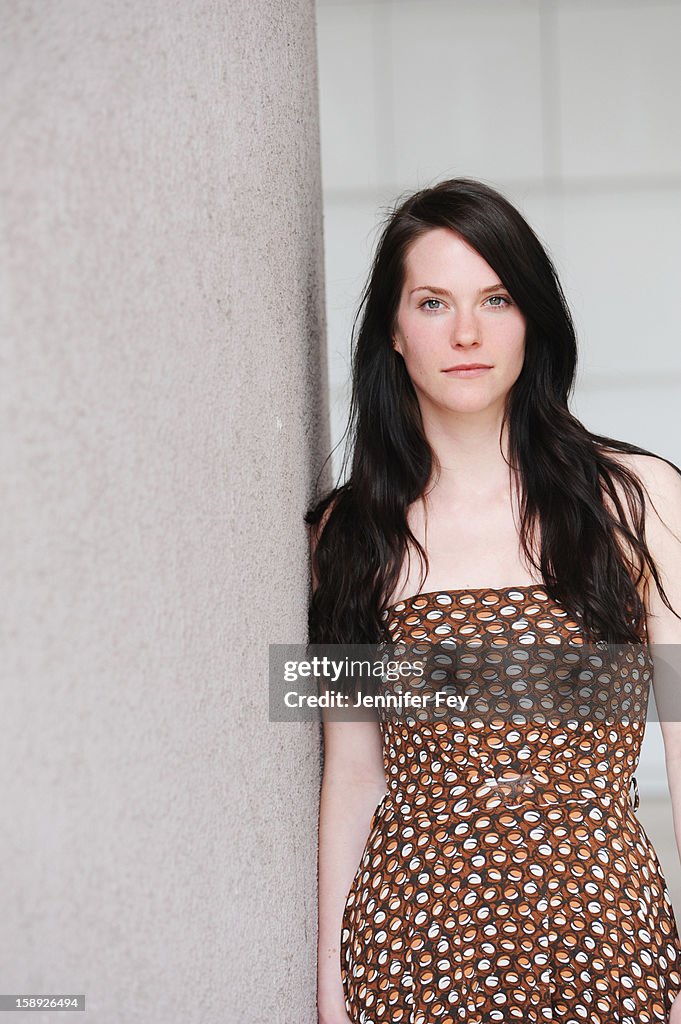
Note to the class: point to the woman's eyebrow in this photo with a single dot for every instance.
(444, 291)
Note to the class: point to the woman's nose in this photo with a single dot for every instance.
(465, 330)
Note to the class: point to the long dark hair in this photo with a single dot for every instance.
(361, 525)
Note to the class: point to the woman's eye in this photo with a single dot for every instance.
(498, 301)
(426, 306)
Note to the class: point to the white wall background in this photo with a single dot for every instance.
(569, 107)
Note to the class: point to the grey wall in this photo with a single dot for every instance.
(163, 417)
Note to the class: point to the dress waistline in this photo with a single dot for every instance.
(490, 793)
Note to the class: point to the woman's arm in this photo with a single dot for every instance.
(353, 782)
(663, 536)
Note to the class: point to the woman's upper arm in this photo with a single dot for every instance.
(662, 494)
(353, 749)
(663, 537)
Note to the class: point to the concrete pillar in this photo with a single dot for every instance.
(162, 422)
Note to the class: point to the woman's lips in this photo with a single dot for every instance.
(474, 371)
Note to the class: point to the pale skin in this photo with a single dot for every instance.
(468, 524)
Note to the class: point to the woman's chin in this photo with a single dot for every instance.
(470, 405)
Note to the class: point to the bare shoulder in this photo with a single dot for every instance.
(652, 470)
(662, 492)
(661, 486)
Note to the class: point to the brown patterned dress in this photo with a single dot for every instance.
(506, 876)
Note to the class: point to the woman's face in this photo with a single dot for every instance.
(454, 311)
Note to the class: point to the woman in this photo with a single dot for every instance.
(497, 875)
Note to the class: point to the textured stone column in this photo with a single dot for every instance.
(163, 418)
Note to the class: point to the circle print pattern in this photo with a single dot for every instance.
(506, 876)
